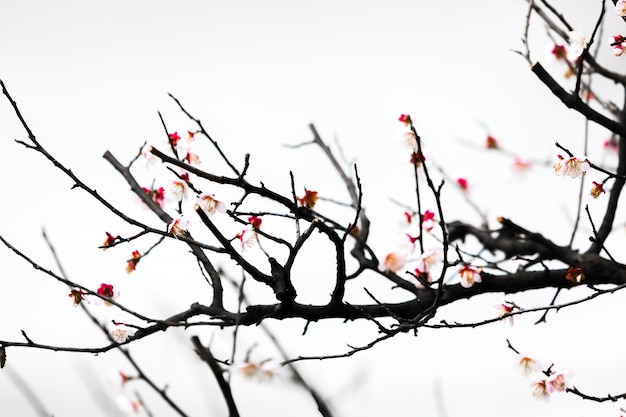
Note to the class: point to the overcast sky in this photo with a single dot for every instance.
(91, 76)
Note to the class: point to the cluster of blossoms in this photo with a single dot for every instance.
(544, 383)
(184, 147)
(576, 167)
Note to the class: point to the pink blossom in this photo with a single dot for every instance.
(572, 167)
(520, 164)
(246, 237)
(178, 226)
(178, 189)
(118, 379)
(108, 291)
(120, 333)
(558, 381)
(174, 138)
(393, 261)
(428, 220)
(559, 52)
(192, 158)
(469, 275)
(156, 195)
(540, 390)
(429, 259)
(620, 8)
(405, 118)
(463, 183)
(528, 365)
(504, 309)
(618, 44)
(265, 370)
(577, 42)
(210, 204)
(411, 139)
(407, 218)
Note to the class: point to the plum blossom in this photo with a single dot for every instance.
(149, 159)
(540, 390)
(110, 239)
(417, 158)
(559, 52)
(572, 167)
(469, 275)
(575, 275)
(393, 261)
(406, 219)
(491, 142)
(528, 365)
(127, 406)
(410, 139)
(620, 8)
(264, 370)
(210, 204)
(429, 259)
(246, 237)
(173, 138)
(178, 226)
(108, 291)
(255, 222)
(558, 381)
(192, 158)
(504, 309)
(577, 42)
(618, 44)
(611, 144)
(428, 220)
(178, 187)
(463, 183)
(78, 296)
(120, 333)
(407, 243)
(156, 195)
(131, 263)
(597, 189)
(405, 118)
(118, 379)
(520, 164)
(308, 199)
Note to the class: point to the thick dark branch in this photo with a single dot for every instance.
(513, 240)
(573, 101)
(616, 190)
(205, 354)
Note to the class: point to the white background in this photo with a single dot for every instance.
(90, 77)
